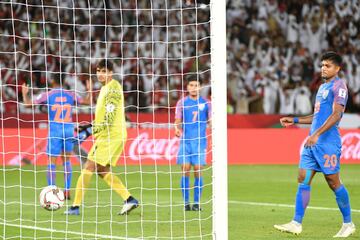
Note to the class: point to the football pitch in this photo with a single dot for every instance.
(259, 196)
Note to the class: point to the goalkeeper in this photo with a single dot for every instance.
(109, 130)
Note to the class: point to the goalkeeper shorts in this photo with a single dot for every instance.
(105, 152)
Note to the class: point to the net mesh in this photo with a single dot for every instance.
(154, 45)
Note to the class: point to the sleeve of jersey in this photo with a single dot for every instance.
(340, 93)
(112, 105)
(179, 109)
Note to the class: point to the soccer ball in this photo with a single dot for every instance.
(52, 198)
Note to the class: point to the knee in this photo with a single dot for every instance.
(301, 178)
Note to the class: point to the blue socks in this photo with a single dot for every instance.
(67, 175)
(302, 201)
(342, 199)
(185, 185)
(51, 174)
(198, 185)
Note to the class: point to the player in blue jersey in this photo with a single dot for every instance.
(192, 115)
(60, 103)
(322, 149)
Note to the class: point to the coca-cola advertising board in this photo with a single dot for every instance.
(160, 146)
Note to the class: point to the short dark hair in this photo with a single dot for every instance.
(333, 57)
(104, 63)
(56, 78)
(193, 78)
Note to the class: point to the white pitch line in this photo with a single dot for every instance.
(287, 206)
(65, 232)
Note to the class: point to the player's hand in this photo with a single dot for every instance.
(84, 131)
(88, 85)
(287, 121)
(177, 132)
(312, 140)
(25, 89)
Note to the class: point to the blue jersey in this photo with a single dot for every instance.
(329, 93)
(60, 104)
(194, 115)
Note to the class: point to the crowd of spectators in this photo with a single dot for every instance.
(273, 47)
(153, 44)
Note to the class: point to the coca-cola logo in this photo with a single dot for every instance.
(350, 146)
(144, 147)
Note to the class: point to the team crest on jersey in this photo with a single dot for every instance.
(201, 106)
(325, 94)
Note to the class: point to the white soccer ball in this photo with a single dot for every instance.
(52, 198)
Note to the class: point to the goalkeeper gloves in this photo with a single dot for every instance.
(84, 131)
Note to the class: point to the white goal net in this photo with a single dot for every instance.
(156, 47)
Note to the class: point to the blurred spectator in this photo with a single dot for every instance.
(276, 45)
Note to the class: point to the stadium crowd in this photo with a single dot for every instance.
(273, 50)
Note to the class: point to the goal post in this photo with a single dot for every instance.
(219, 120)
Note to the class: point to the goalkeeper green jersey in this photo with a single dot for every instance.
(110, 113)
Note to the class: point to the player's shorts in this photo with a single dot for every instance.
(192, 152)
(323, 158)
(106, 152)
(60, 139)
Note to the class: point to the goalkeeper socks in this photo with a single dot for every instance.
(82, 183)
(185, 185)
(67, 174)
(343, 201)
(115, 183)
(198, 185)
(302, 201)
(51, 174)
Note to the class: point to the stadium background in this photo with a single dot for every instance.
(273, 70)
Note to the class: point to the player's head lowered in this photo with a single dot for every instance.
(330, 65)
(193, 84)
(104, 71)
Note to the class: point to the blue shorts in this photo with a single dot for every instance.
(192, 152)
(60, 139)
(323, 158)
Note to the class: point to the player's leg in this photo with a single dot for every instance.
(328, 158)
(343, 201)
(183, 159)
(185, 185)
(116, 184)
(53, 149)
(68, 148)
(51, 171)
(67, 174)
(198, 160)
(198, 185)
(81, 185)
(307, 169)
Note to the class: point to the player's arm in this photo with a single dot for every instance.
(178, 127)
(178, 118)
(88, 99)
(288, 121)
(25, 95)
(338, 110)
(112, 104)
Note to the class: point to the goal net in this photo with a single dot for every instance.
(154, 46)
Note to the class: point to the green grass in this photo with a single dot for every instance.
(156, 219)
(160, 216)
(278, 184)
